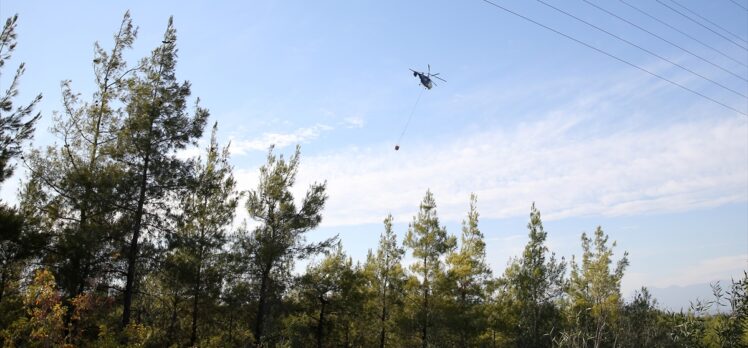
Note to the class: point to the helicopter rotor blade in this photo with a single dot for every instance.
(429, 65)
(439, 78)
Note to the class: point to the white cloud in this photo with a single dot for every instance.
(705, 271)
(593, 154)
(280, 140)
(665, 169)
(353, 122)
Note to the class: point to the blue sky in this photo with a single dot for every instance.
(526, 115)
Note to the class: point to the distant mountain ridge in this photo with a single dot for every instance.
(677, 298)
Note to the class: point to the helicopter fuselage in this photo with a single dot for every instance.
(425, 81)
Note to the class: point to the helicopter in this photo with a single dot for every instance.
(426, 80)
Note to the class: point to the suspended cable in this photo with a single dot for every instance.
(683, 33)
(708, 21)
(668, 41)
(701, 25)
(407, 123)
(614, 57)
(739, 5)
(643, 49)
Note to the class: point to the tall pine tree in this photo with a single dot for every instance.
(534, 282)
(208, 207)
(16, 126)
(386, 280)
(270, 249)
(157, 124)
(429, 243)
(595, 289)
(75, 198)
(467, 279)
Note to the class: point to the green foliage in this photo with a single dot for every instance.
(329, 299)
(73, 187)
(533, 283)
(42, 325)
(119, 242)
(731, 327)
(697, 328)
(429, 243)
(16, 126)
(595, 290)
(194, 263)
(156, 124)
(641, 324)
(269, 251)
(385, 278)
(465, 282)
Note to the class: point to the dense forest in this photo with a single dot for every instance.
(116, 241)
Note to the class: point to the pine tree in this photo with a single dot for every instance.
(429, 243)
(207, 208)
(79, 179)
(16, 126)
(329, 294)
(157, 124)
(270, 250)
(534, 282)
(467, 279)
(595, 289)
(386, 280)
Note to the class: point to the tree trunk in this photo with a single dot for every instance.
(320, 327)
(195, 297)
(424, 328)
(133, 252)
(172, 325)
(260, 317)
(425, 324)
(599, 333)
(463, 334)
(2, 284)
(231, 325)
(383, 332)
(347, 342)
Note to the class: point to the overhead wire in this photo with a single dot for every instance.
(701, 25)
(739, 5)
(407, 123)
(708, 21)
(666, 40)
(683, 33)
(643, 49)
(614, 56)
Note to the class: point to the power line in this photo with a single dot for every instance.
(700, 24)
(683, 33)
(668, 41)
(643, 49)
(708, 21)
(741, 6)
(613, 56)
